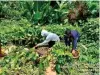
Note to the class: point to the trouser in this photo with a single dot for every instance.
(51, 43)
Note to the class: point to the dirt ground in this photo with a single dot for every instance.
(50, 70)
(42, 51)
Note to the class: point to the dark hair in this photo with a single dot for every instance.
(67, 31)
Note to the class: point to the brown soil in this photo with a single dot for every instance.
(50, 70)
(42, 51)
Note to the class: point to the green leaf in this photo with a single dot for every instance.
(37, 15)
(58, 69)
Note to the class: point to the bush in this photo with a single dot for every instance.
(90, 31)
(18, 31)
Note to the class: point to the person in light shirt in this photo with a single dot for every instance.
(50, 40)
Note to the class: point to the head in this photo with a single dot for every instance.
(68, 32)
(44, 33)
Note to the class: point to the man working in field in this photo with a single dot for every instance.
(72, 36)
(51, 38)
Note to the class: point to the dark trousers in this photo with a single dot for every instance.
(51, 43)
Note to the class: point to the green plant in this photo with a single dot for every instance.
(90, 30)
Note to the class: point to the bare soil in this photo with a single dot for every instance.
(50, 70)
(42, 51)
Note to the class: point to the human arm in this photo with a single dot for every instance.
(74, 43)
(45, 42)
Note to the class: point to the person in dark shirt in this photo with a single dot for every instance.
(72, 36)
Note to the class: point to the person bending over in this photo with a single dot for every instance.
(50, 40)
(72, 36)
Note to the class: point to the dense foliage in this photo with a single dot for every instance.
(21, 24)
(39, 12)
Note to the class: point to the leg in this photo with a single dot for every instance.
(51, 43)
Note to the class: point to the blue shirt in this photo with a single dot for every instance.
(74, 38)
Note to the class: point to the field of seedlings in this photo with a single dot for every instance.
(21, 23)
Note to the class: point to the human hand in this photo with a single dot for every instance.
(35, 47)
(73, 52)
